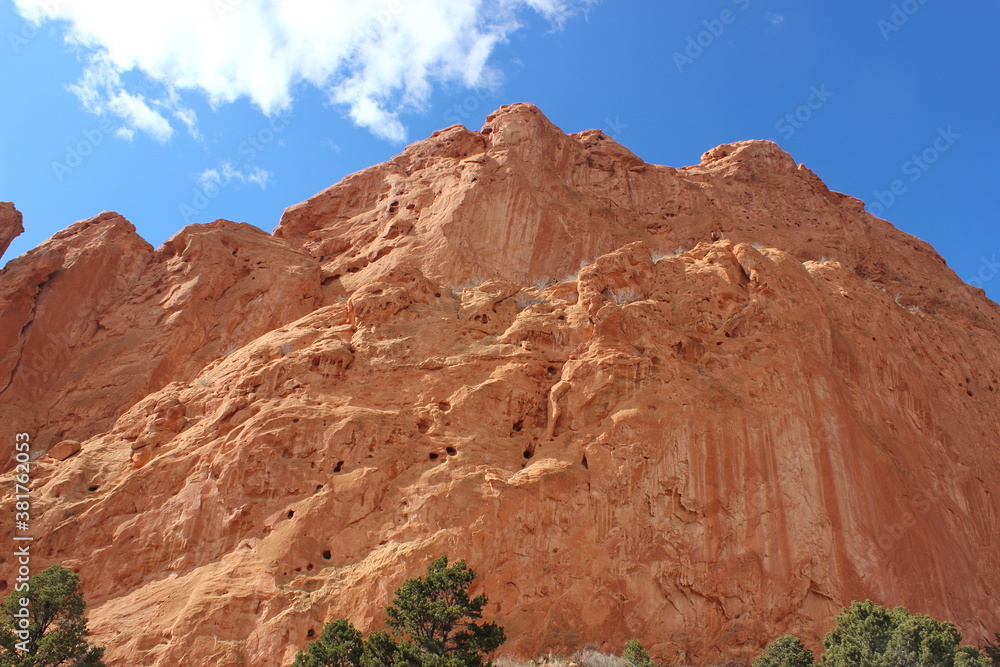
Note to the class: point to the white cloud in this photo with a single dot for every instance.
(227, 174)
(378, 58)
(776, 19)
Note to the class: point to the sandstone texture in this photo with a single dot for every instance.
(10, 225)
(701, 407)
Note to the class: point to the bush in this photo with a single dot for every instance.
(339, 645)
(55, 630)
(968, 656)
(787, 651)
(433, 622)
(635, 655)
(993, 650)
(869, 635)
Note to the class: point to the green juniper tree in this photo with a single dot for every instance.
(54, 631)
(433, 623)
(635, 655)
(993, 650)
(339, 645)
(867, 634)
(787, 651)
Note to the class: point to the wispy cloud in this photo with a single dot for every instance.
(227, 174)
(775, 19)
(377, 58)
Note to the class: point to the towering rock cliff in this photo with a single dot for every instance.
(699, 406)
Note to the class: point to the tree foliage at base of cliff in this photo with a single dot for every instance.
(433, 622)
(635, 655)
(871, 635)
(53, 633)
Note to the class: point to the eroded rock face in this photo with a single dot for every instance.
(702, 448)
(10, 225)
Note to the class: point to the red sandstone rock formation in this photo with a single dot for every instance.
(700, 406)
(10, 225)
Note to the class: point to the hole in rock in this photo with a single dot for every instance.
(319, 487)
(327, 555)
(584, 462)
(528, 453)
(377, 292)
(444, 406)
(290, 514)
(3, 585)
(353, 269)
(311, 633)
(309, 567)
(437, 295)
(451, 451)
(93, 488)
(423, 426)
(432, 456)
(518, 425)
(295, 421)
(339, 467)
(551, 370)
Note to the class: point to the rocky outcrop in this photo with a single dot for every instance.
(10, 225)
(752, 404)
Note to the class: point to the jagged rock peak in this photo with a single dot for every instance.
(11, 225)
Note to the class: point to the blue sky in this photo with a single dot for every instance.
(107, 110)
